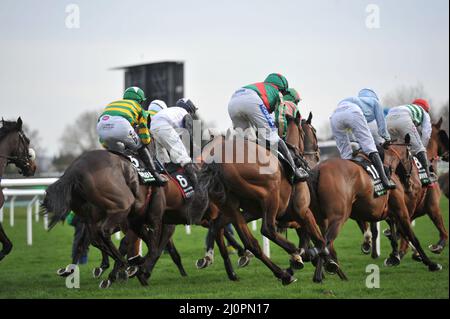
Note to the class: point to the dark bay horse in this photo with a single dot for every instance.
(14, 149)
(353, 197)
(104, 190)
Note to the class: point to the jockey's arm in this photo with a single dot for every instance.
(381, 121)
(426, 129)
(143, 131)
(188, 124)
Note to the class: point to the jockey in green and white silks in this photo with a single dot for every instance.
(251, 106)
(413, 119)
(351, 116)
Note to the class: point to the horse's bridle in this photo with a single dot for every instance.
(23, 160)
(316, 151)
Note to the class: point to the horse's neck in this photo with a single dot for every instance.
(4, 151)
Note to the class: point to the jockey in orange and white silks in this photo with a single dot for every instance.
(413, 119)
(351, 116)
(251, 106)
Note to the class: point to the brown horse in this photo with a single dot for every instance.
(419, 200)
(240, 184)
(426, 200)
(353, 197)
(14, 149)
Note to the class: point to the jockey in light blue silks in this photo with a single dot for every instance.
(351, 116)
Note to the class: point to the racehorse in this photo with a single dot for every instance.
(239, 183)
(353, 197)
(420, 200)
(14, 149)
(103, 188)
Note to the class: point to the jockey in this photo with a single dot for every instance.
(156, 106)
(251, 105)
(169, 146)
(413, 119)
(352, 115)
(117, 127)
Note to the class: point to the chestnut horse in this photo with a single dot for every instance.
(352, 196)
(239, 183)
(14, 149)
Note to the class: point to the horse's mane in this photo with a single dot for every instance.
(7, 127)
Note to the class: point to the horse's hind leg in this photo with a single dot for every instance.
(394, 258)
(268, 229)
(366, 246)
(434, 212)
(397, 206)
(252, 244)
(175, 257)
(225, 256)
(334, 226)
(7, 245)
(375, 234)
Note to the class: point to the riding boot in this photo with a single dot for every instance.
(300, 175)
(146, 157)
(422, 157)
(199, 202)
(376, 161)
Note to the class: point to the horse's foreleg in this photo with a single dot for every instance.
(208, 259)
(434, 212)
(252, 244)
(6, 243)
(333, 228)
(366, 245)
(375, 234)
(176, 258)
(394, 258)
(224, 253)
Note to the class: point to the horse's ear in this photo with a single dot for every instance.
(443, 137)
(308, 121)
(439, 123)
(407, 139)
(19, 124)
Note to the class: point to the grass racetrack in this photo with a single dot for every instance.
(30, 271)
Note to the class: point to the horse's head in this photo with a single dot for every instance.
(438, 145)
(399, 153)
(311, 146)
(15, 147)
(288, 121)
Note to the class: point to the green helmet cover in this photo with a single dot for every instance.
(278, 80)
(134, 93)
(292, 95)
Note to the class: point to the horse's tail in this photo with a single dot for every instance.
(212, 178)
(58, 198)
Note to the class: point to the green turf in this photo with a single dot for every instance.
(29, 271)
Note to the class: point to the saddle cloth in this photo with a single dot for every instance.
(145, 177)
(424, 179)
(177, 174)
(378, 187)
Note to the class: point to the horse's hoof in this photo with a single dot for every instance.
(290, 271)
(288, 280)
(317, 280)
(132, 271)
(374, 255)
(392, 261)
(296, 262)
(233, 277)
(434, 267)
(436, 249)
(2, 255)
(203, 263)
(143, 278)
(105, 284)
(243, 261)
(122, 275)
(183, 273)
(97, 272)
(331, 267)
(61, 272)
(366, 248)
(416, 257)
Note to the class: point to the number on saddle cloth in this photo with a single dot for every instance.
(424, 179)
(378, 187)
(182, 181)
